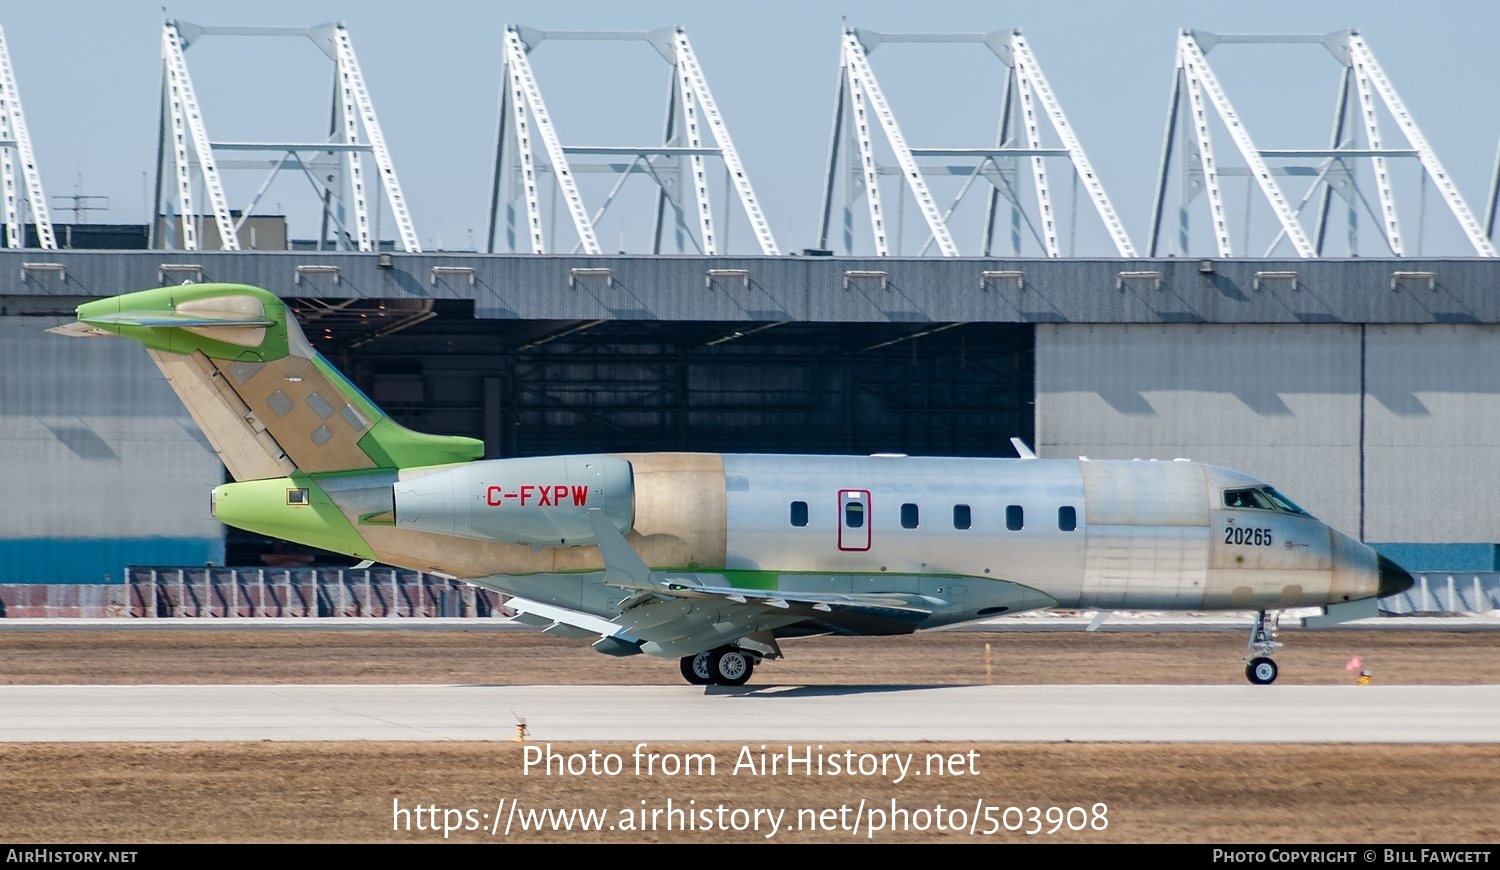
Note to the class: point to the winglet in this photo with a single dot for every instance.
(1021, 449)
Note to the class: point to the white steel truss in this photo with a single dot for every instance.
(1366, 66)
(15, 145)
(695, 88)
(523, 82)
(1364, 83)
(352, 84)
(1195, 67)
(334, 167)
(524, 117)
(1030, 78)
(1028, 99)
(187, 124)
(856, 68)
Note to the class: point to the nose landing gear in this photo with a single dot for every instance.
(1259, 668)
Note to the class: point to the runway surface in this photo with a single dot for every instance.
(1087, 713)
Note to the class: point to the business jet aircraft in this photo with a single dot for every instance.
(712, 559)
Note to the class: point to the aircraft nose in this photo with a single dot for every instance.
(1394, 579)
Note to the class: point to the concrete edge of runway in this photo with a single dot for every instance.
(680, 713)
(1290, 621)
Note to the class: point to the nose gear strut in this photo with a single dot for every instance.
(1259, 668)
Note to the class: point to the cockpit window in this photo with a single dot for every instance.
(1261, 498)
(1283, 503)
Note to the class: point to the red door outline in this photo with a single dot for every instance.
(851, 536)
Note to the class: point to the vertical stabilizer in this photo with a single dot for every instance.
(268, 402)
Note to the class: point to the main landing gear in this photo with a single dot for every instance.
(1259, 668)
(725, 666)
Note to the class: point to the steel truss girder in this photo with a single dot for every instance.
(186, 151)
(1364, 81)
(15, 144)
(1364, 60)
(691, 109)
(1028, 98)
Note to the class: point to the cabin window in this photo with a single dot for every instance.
(854, 515)
(1067, 518)
(908, 516)
(1015, 517)
(799, 513)
(296, 496)
(961, 518)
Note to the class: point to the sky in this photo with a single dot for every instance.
(89, 76)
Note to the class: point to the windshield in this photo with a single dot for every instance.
(1283, 503)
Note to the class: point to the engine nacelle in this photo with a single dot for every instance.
(542, 501)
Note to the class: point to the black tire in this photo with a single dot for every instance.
(1261, 671)
(730, 667)
(695, 669)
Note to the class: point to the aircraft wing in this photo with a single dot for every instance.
(694, 617)
(808, 613)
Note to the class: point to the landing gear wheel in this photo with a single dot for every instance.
(730, 667)
(695, 669)
(1261, 671)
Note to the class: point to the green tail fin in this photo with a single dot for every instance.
(269, 403)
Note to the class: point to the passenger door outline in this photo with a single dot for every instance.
(854, 520)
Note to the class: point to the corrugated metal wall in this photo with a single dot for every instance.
(1386, 431)
(1432, 449)
(102, 465)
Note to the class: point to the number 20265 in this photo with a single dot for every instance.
(1251, 537)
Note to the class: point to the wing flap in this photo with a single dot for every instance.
(554, 619)
(891, 603)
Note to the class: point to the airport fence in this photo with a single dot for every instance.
(1442, 592)
(174, 591)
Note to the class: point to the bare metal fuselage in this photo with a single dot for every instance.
(971, 537)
